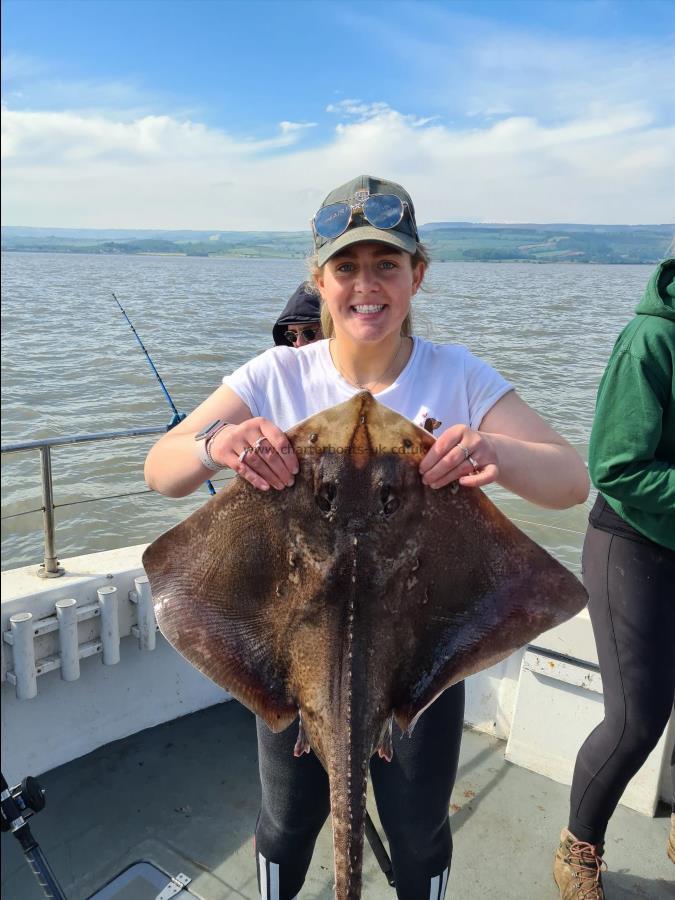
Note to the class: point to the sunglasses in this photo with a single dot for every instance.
(309, 334)
(383, 211)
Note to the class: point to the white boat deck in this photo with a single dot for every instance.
(184, 795)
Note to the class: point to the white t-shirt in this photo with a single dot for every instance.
(440, 381)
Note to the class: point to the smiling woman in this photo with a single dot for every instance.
(367, 267)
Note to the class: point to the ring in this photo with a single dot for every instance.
(257, 444)
(244, 453)
(464, 451)
(473, 462)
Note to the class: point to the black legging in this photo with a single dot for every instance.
(631, 588)
(412, 793)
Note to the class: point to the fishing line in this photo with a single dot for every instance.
(177, 416)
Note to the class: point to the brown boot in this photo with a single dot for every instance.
(577, 869)
(671, 841)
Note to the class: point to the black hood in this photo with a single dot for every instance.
(303, 306)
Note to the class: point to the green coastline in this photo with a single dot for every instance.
(447, 242)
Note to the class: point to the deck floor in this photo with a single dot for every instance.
(185, 795)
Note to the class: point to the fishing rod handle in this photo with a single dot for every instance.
(44, 875)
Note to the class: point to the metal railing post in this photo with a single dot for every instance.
(50, 567)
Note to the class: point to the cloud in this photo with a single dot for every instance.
(64, 138)
(357, 109)
(294, 127)
(74, 169)
(360, 111)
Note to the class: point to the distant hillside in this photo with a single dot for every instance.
(281, 244)
(447, 241)
(555, 226)
(550, 243)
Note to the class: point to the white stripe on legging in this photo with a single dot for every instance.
(445, 883)
(438, 886)
(262, 863)
(269, 889)
(274, 881)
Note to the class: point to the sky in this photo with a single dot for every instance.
(228, 115)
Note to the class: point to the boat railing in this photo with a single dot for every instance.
(50, 566)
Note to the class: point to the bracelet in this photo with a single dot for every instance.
(203, 452)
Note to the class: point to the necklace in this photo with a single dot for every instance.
(373, 381)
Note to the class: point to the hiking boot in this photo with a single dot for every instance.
(577, 869)
(671, 840)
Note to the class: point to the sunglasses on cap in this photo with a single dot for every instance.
(383, 211)
(309, 334)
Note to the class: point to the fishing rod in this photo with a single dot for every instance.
(18, 804)
(177, 416)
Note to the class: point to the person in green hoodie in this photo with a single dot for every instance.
(629, 571)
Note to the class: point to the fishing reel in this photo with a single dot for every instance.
(28, 798)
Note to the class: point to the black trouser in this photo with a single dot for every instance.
(412, 794)
(631, 587)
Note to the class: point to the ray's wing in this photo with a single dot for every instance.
(213, 585)
(488, 590)
(457, 586)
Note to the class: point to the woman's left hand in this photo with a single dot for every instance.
(460, 454)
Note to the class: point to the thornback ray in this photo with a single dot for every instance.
(355, 596)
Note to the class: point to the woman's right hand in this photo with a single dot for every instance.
(258, 451)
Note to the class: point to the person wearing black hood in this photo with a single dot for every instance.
(300, 322)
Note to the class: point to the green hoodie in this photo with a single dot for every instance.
(632, 449)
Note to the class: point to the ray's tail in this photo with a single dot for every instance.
(348, 774)
(357, 723)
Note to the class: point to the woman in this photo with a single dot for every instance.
(367, 267)
(629, 572)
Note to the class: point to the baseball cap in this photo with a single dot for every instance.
(403, 236)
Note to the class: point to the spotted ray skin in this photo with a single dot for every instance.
(357, 595)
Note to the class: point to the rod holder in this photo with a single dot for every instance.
(147, 623)
(66, 613)
(24, 655)
(110, 624)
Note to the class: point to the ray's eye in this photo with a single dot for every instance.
(325, 496)
(390, 503)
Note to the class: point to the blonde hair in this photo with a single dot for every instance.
(421, 255)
